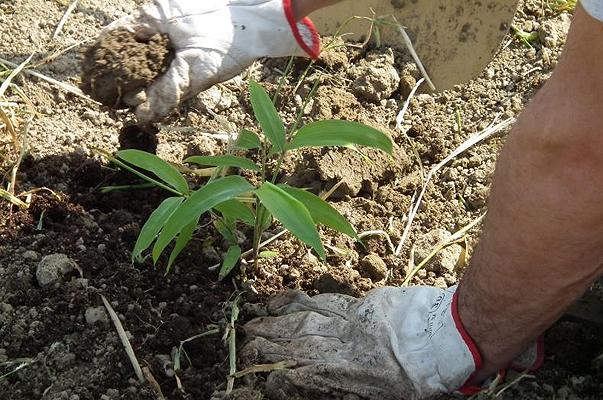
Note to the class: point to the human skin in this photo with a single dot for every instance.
(542, 243)
(541, 246)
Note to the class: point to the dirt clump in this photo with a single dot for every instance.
(120, 65)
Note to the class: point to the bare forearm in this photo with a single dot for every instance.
(542, 244)
(302, 8)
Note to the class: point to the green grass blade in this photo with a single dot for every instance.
(292, 214)
(151, 228)
(340, 133)
(266, 115)
(224, 161)
(233, 254)
(236, 210)
(183, 238)
(200, 201)
(248, 140)
(321, 211)
(150, 162)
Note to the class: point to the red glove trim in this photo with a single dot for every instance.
(477, 357)
(314, 50)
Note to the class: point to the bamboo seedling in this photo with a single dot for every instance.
(226, 197)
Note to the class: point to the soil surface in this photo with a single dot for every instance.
(123, 64)
(73, 244)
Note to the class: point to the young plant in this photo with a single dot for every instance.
(232, 198)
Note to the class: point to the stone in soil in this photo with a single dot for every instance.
(53, 267)
(376, 78)
(372, 266)
(120, 65)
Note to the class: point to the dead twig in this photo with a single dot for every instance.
(124, 339)
(486, 133)
(153, 382)
(63, 19)
(62, 85)
(415, 56)
(454, 238)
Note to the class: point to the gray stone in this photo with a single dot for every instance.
(30, 255)
(96, 314)
(52, 267)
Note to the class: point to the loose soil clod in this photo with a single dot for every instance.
(121, 63)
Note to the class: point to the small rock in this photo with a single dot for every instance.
(30, 255)
(5, 308)
(440, 282)
(90, 115)
(65, 361)
(563, 392)
(327, 283)
(373, 267)
(445, 260)
(96, 314)
(334, 55)
(216, 100)
(376, 78)
(552, 33)
(408, 79)
(52, 268)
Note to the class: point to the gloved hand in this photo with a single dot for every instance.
(396, 343)
(215, 40)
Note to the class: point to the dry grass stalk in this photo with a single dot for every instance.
(415, 57)
(64, 19)
(124, 339)
(486, 133)
(454, 238)
(62, 85)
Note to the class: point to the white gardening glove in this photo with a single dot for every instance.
(213, 41)
(396, 343)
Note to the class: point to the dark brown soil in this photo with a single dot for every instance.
(97, 231)
(121, 63)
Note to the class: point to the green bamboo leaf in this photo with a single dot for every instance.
(248, 140)
(200, 201)
(292, 213)
(233, 254)
(183, 238)
(151, 228)
(225, 231)
(340, 133)
(236, 210)
(266, 115)
(321, 211)
(150, 162)
(224, 161)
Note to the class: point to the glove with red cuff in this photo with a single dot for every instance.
(213, 41)
(396, 343)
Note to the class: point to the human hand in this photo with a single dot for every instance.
(214, 40)
(396, 343)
